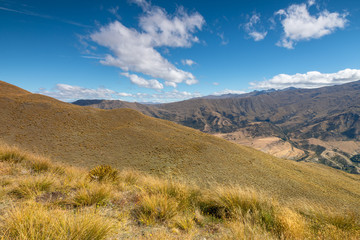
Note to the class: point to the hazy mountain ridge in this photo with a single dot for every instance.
(293, 115)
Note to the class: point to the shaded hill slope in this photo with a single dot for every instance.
(293, 116)
(125, 138)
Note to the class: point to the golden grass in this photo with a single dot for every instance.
(153, 209)
(32, 186)
(34, 222)
(92, 194)
(11, 154)
(62, 202)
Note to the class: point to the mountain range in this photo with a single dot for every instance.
(318, 125)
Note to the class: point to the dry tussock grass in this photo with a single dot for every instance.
(59, 202)
(33, 222)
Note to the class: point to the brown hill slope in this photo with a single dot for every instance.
(125, 138)
(293, 116)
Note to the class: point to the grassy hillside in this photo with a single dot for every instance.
(293, 116)
(43, 200)
(124, 138)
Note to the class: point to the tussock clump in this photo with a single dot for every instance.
(131, 177)
(292, 224)
(36, 163)
(11, 154)
(33, 222)
(32, 186)
(40, 165)
(103, 173)
(91, 195)
(58, 170)
(235, 203)
(184, 195)
(154, 209)
(185, 222)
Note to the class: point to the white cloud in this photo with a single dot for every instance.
(311, 2)
(170, 84)
(141, 82)
(216, 83)
(228, 91)
(176, 31)
(121, 94)
(257, 36)
(172, 96)
(134, 50)
(311, 79)
(299, 25)
(188, 62)
(250, 28)
(67, 92)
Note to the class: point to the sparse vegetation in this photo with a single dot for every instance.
(355, 158)
(60, 202)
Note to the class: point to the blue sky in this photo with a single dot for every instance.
(163, 51)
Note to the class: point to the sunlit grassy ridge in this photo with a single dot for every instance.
(43, 200)
(124, 138)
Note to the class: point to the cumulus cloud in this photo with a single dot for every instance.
(171, 96)
(250, 28)
(170, 84)
(188, 62)
(134, 50)
(141, 82)
(311, 79)
(228, 91)
(299, 25)
(69, 93)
